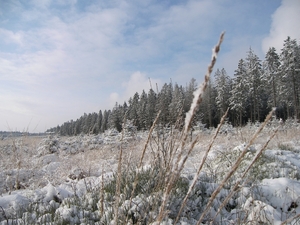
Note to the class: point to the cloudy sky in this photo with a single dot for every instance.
(61, 58)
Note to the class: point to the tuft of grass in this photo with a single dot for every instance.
(285, 147)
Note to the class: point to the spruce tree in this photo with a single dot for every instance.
(99, 121)
(163, 101)
(150, 108)
(176, 107)
(254, 84)
(223, 88)
(290, 68)
(133, 110)
(239, 92)
(271, 76)
(104, 124)
(189, 94)
(142, 110)
(115, 118)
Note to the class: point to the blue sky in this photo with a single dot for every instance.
(61, 58)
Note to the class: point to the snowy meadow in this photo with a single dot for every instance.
(85, 179)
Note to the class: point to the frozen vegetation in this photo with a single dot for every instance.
(85, 179)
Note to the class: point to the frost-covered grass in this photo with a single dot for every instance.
(59, 185)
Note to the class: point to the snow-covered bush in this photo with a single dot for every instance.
(48, 145)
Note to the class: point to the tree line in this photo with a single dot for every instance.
(255, 87)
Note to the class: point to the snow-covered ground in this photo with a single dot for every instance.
(72, 180)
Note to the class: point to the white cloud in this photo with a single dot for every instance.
(113, 98)
(137, 83)
(285, 22)
(11, 37)
(17, 111)
(41, 3)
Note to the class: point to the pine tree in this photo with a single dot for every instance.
(271, 75)
(124, 111)
(115, 118)
(150, 108)
(142, 113)
(254, 83)
(133, 110)
(290, 68)
(207, 109)
(77, 129)
(99, 121)
(239, 92)
(85, 124)
(223, 88)
(176, 107)
(163, 101)
(104, 125)
(93, 127)
(189, 94)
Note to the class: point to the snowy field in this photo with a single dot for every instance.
(72, 180)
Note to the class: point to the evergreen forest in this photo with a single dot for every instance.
(256, 86)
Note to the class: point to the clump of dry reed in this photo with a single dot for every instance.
(198, 95)
(175, 156)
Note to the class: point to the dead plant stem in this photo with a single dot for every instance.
(201, 166)
(234, 167)
(198, 94)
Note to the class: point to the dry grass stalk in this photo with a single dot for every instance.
(198, 94)
(142, 157)
(291, 219)
(234, 167)
(148, 139)
(167, 148)
(118, 186)
(119, 174)
(17, 159)
(237, 184)
(102, 194)
(201, 166)
(172, 147)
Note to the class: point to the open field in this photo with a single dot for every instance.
(77, 177)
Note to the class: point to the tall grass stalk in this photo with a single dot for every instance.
(291, 219)
(142, 157)
(148, 139)
(234, 167)
(18, 161)
(201, 166)
(102, 194)
(198, 96)
(237, 184)
(173, 147)
(119, 174)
